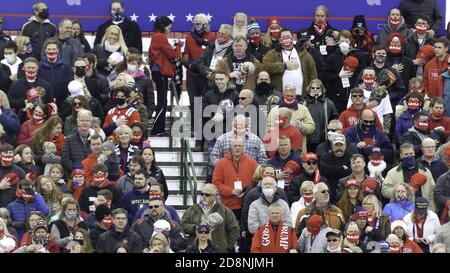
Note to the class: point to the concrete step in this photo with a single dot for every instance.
(164, 142)
(175, 171)
(174, 185)
(175, 156)
(177, 200)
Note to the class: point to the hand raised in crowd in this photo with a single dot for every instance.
(282, 175)
(419, 61)
(345, 74)
(120, 121)
(361, 145)
(5, 184)
(398, 67)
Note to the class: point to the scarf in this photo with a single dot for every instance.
(221, 49)
(372, 168)
(199, 39)
(320, 29)
(337, 250)
(281, 237)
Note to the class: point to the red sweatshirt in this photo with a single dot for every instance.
(291, 132)
(433, 82)
(444, 122)
(350, 117)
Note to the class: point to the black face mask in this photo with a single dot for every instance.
(365, 127)
(80, 71)
(119, 101)
(44, 14)
(81, 242)
(264, 86)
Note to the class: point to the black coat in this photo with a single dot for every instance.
(409, 69)
(74, 151)
(410, 9)
(158, 174)
(130, 30)
(211, 248)
(319, 40)
(91, 86)
(206, 57)
(94, 235)
(17, 93)
(258, 52)
(103, 87)
(293, 191)
(317, 108)
(3, 40)
(102, 59)
(38, 33)
(412, 47)
(9, 195)
(214, 97)
(145, 85)
(110, 239)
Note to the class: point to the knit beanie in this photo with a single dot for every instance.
(392, 36)
(252, 27)
(110, 145)
(101, 212)
(359, 22)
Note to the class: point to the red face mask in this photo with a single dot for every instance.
(51, 55)
(394, 22)
(308, 197)
(30, 74)
(376, 160)
(423, 125)
(38, 118)
(275, 32)
(353, 237)
(7, 160)
(107, 221)
(287, 43)
(395, 48)
(255, 39)
(368, 80)
(421, 29)
(136, 137)
(413, 104)
(100, 180)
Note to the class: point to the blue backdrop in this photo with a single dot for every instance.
(294, 14)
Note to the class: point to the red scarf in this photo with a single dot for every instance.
(419, 224)
(275, 243)
(320, 29)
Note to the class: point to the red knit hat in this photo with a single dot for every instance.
(426, 52)
(273, 20)
(314, 223)
(33, 93)
(369, 185)
(292, 168)
(359, 212)
(309, 156)
(351, 182)
(392, 36)
(77, 171)
(351, 63)
(417, 180)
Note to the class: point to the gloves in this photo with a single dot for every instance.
(51, 158)
(102, 158)
(19, 225)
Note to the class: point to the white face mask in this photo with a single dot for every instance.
(11, 58)
(132, 67)
(268, 192)
(344, 46)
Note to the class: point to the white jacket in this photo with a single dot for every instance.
(430, 228)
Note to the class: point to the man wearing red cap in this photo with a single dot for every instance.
(432, 76)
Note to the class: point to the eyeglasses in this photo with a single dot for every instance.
(242, 98)
(325, 191)
(205, 194)
(357, 95)
(155, 206)
(368, 121)
(203, 231)
(77, 104)
(310, 162)
(332, 240)
(334, 130)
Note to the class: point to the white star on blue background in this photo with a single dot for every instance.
(152, 17)
(134, 17)
(171, 17)
(189, 17)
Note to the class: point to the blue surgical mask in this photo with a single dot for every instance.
(409, 162)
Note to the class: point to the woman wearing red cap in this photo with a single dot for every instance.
(368, 234)
(351, 198)
(273, 32)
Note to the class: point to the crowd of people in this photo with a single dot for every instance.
(338, 142)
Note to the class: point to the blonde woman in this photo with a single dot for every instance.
(50, 192)
(306, 193)
(7, 242)
(401, 204)
(24, 47)
(158, 244)
(112, 42)
(376, 218)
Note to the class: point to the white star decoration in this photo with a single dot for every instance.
(152, 18)
(209, 16)
(134, 17)
(171, 17)
(189, 17)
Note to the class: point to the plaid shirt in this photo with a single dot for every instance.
(253, 147)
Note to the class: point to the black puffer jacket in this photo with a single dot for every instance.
(108, 241)
(74, 151)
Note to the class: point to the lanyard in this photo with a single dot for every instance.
(236, 168)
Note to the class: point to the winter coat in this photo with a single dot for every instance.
(145, 85)
(61, 232)
(161, 54)
(5, 72)
(382, 224)
(322, 111)
(131, 32)
(409, 69)
(412, 47)
(333, 216)
(350, 117)
(109, 239)
(225, 235)
(262, 96)
(65, 105)
(86, 200)
(444, 122)
(74, 151)
(203, 65)
(258, 213)
(10, 123)
(193, 50)
(395, 176)
(102, 84)
(414, 137)
(410, 9)
(313, 245)
(38, 33)
(56, 74)
(226, 65)
(126, 155)
(18, 92)
(253, 194)
(225, 101)
(384, 33)
(211, 248)
(88, 164)
(321, 39)
(332, 168)
(433, 82)
(94, 235)
(226, 172)
(70, 50)
(169, 211)
(144, 228)
(274, 65)
(447, 93)
(125, 184)
(431, 226)
(280, 242)
(158, 174)
(258, 52)
(398, 209)
(102, 59)
(293, 191)
(26, 130)
(9, 195)
(442, 191)
(403, 124)
(19, 210)
(436, 167)
(379, 139)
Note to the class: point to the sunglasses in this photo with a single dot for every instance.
(203, 231)
(155, 206)
(310, 162)
(77, 104)
(205, 194)
(325, 191)
(242, 98)
(332, 240)
(357, 95)
(334, 130)
(368, 121)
